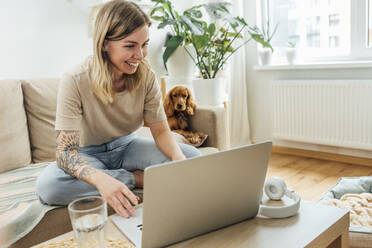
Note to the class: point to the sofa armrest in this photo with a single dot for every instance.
(212, 121)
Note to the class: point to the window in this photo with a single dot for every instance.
(334, 41)
(334, 20)
(369, 23)
(314, 2)
(312, 33)
(332, 3)
(292, 4)
(322, 30)
(317, 20)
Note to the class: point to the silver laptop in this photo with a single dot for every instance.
(187, 198)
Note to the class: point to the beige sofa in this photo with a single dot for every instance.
(27, 137)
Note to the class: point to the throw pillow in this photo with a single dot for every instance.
(15, 145)
(40, 103)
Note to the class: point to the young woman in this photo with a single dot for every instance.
(100, 105)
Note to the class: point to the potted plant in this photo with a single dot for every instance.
(221, 37)
(212, 48)
(264, 36)
(214, 41)
(177, 44)
(291, 53)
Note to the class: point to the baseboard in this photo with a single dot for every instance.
(323, 155)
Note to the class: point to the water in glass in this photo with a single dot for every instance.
(89, 231)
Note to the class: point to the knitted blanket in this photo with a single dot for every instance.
(356, 187)
(360, 207)
(20, 208)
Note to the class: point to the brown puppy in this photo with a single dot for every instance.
(179, 105)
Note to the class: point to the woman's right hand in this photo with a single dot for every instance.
(117, 195)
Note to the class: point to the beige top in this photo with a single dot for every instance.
(79, 109)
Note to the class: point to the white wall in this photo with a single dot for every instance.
(41, 38)
(44, 38)
(259, 94)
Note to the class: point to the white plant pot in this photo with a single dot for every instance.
(264, 55)
(291, 54)
(209, 92)
(180, 65)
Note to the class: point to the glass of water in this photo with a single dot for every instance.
(88, 218)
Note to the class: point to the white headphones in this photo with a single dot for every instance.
(275, 188)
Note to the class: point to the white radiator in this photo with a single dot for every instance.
(328, 112)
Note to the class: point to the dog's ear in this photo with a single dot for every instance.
(168, 104)
(190, 103)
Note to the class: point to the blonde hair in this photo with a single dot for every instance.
(115, 20)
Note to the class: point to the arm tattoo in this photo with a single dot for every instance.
(68, 157)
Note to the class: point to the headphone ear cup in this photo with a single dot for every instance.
(275, 188)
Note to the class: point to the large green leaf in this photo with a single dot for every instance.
(201, 25)
(173, 43)
(241, 20)
(166, 23)
(260, 39)
(158, 1)
(177, 15)
(218, 10)
(156, 9)
(167, 6)
(201, 41)
(195, 28)
(193, 12)
(158, 18)
(212, 29)
(193, 8)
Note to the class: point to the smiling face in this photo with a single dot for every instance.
(126, 54)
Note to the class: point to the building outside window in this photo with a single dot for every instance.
(291, 4)
(312, 33)
(332, 3)
(318, 20)
(334, 41)
(322, 30)
(334, 19)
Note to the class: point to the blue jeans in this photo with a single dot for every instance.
(117, 158)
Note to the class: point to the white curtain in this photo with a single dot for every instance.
(239, 129)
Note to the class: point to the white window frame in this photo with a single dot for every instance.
(359, 50)
(359, 36)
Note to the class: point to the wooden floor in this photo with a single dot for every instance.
(310, 177)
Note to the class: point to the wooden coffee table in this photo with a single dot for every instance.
(315, 226)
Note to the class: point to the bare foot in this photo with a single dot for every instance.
(138, 175)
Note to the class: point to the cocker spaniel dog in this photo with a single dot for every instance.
(179, 105)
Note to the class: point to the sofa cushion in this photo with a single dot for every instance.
(211, 120)
(14, 140)
(40, 103)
